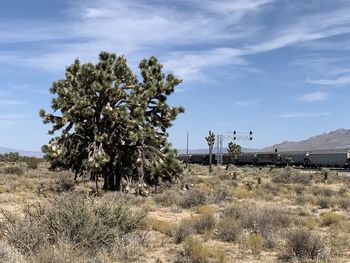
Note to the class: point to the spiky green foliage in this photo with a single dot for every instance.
(233, 150)
(211, 141)
(112, 125)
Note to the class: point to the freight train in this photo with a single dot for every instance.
(303, 159)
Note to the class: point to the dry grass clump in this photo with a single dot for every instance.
(85, 222)
(191, 198)
(204, 223)
(330, 218)
(183, 230)
(64, 183)
(164, 227)
(303, 245)
(194, 251)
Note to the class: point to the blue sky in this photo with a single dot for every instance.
(280, 68)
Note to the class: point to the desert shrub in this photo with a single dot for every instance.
(9, 254)
(13, 170)
(260, 220)
(205, 208)
(82, 221)
(32, 162)
(167, 198)
(344, 203)
(204, 223)
(222, 193)
(330, 218)
(325, 202)
(194, 251)
(229, 229)
(291, 176)
(192, 198)
(183, 230)
(26, 234)
(304, 245)
(64, 183)
(254, 242)
(61, 252)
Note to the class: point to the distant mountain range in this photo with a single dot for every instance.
(334, 140)
(23, 153)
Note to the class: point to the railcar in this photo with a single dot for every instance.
(314, 159)
(341, 160)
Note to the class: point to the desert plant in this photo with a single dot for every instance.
(233, 150)
(82, 221)
(330, 218)
(195, 251)
(304, 245)
(13, 170)
(183, 230)
(192, 198)
(112, 125)
(211, 141)
(204, 223)
(229, 229)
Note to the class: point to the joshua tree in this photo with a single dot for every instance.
(112, 125)
(211, 141)
(233, 150)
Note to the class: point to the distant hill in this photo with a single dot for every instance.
(23, 153)
(334, 140)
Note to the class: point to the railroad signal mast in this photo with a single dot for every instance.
(231, 136)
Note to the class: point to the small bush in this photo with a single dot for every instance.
(192, 198)
(304, 245)
(195, 251)
(204, 223)
(32, 162)
(76, 218)
(291, 176)
(64, 183)
(229, 229)
(167, 198)
(255, 242)
(183, 230)
(13, 170)
(330, 218)
(325, 202)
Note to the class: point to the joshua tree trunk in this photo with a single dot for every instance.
(210, 158)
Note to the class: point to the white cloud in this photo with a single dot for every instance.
(304, 114)
(338, 81)
(313, 97)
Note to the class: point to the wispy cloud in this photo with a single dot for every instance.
(313, 97)
(248, 103)
(304, 114)
(338, 81)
